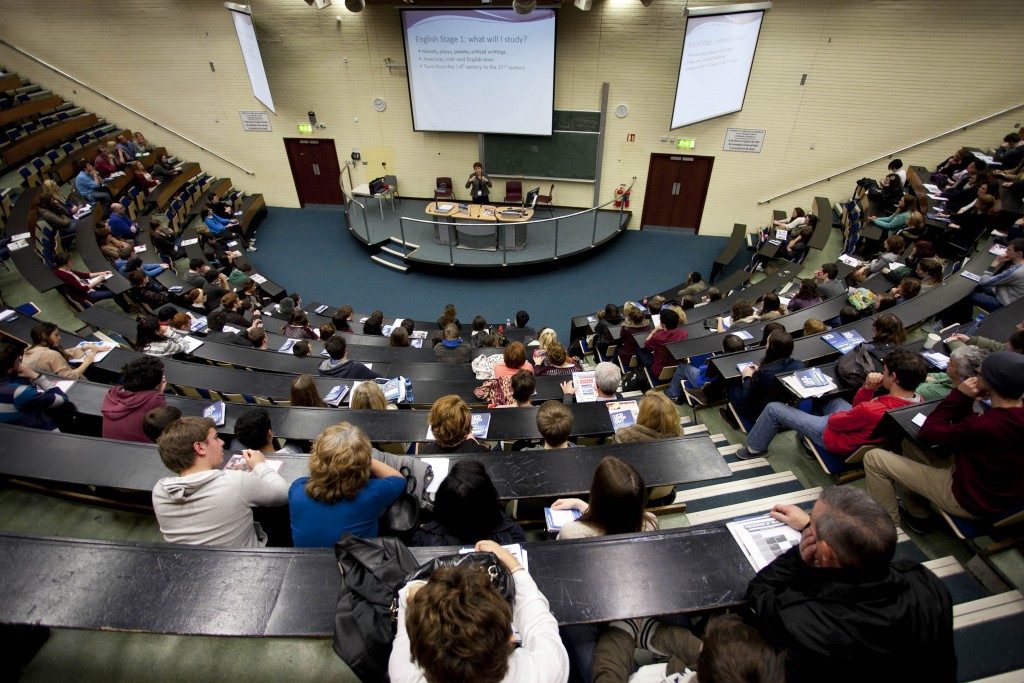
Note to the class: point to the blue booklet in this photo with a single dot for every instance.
(215, 412)
(336, 395)
(480, 423)
(287, 346)
(811, 378)
(554, 520)
(843, 342)
(622, 413)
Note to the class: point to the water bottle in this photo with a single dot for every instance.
(408, 390)
(972, 327)
(508, 323)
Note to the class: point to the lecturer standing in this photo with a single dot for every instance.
(479, 184)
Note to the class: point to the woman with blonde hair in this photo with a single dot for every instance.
(145, 181)
(142, 144)
(656, 419)
(369, 396)
(346, 490)
(304, 393)
(451, 424)
(545, 340)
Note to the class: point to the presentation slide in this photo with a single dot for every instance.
(717, 53)
(253, 59)
(481, 70)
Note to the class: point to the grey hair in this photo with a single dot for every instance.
(607, 376)
(856, 528)
(968, 359)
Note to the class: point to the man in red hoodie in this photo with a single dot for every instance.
(842, 428)
(125, 407)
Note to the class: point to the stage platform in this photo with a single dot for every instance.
(552, 238)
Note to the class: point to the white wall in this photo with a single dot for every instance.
(881, 74)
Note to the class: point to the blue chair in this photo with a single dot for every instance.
(1005, 531)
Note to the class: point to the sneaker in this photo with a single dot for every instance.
(746, 454)
(921, 525)
(250, 248)
(729, 418)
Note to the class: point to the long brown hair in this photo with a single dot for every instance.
(305, 393)
(617, 497)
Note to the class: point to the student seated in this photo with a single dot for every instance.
(451, 423)
(750, 396)
(305, 394)
(125, 407)
(554, 422)
(838, 603)
(254, 430)
(617, 498)
(654, 354)
(964, 362)
(457, 627)
(607, 378)
(633, 322)
(452, 348)
(205, 505)
(347, 489)
(46, 355)
(657, 418)
(986, 479)
(158, 419)
(514, 356)
(840, 428)
(215, 331)
(701, 389)
(558, 362)
(467, 510)
(26, 397)
(731, 652)
(1003, 282)
(339, 366)
(807, 296)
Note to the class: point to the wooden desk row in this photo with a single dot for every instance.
(57, 459)
(22, 218)
(392, 426)
(813, 351)
(160, 588)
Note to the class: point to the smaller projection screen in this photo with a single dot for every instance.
(718, 51)
(481, 70)
(253, 60)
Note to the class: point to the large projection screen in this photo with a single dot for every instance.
(253, 59)
(718, 51)
(481, 70)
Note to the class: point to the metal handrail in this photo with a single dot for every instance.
(107, 97)
(895, 151)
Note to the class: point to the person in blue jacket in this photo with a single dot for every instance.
(223, 227)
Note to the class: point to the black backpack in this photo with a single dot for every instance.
(372, 570)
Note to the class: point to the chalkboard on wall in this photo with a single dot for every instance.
(569, 154)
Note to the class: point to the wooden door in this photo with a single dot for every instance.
(677, 187)
(315, 170)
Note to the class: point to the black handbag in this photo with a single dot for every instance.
(501, 578)
(403, 515)
(372, 570)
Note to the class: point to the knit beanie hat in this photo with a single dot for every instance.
(1003, 371)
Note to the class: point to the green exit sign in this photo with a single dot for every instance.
(305, 127)
(686, 143)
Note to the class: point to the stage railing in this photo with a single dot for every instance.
(358, 224)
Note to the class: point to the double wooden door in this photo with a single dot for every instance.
(315, 170)
(677, 187)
